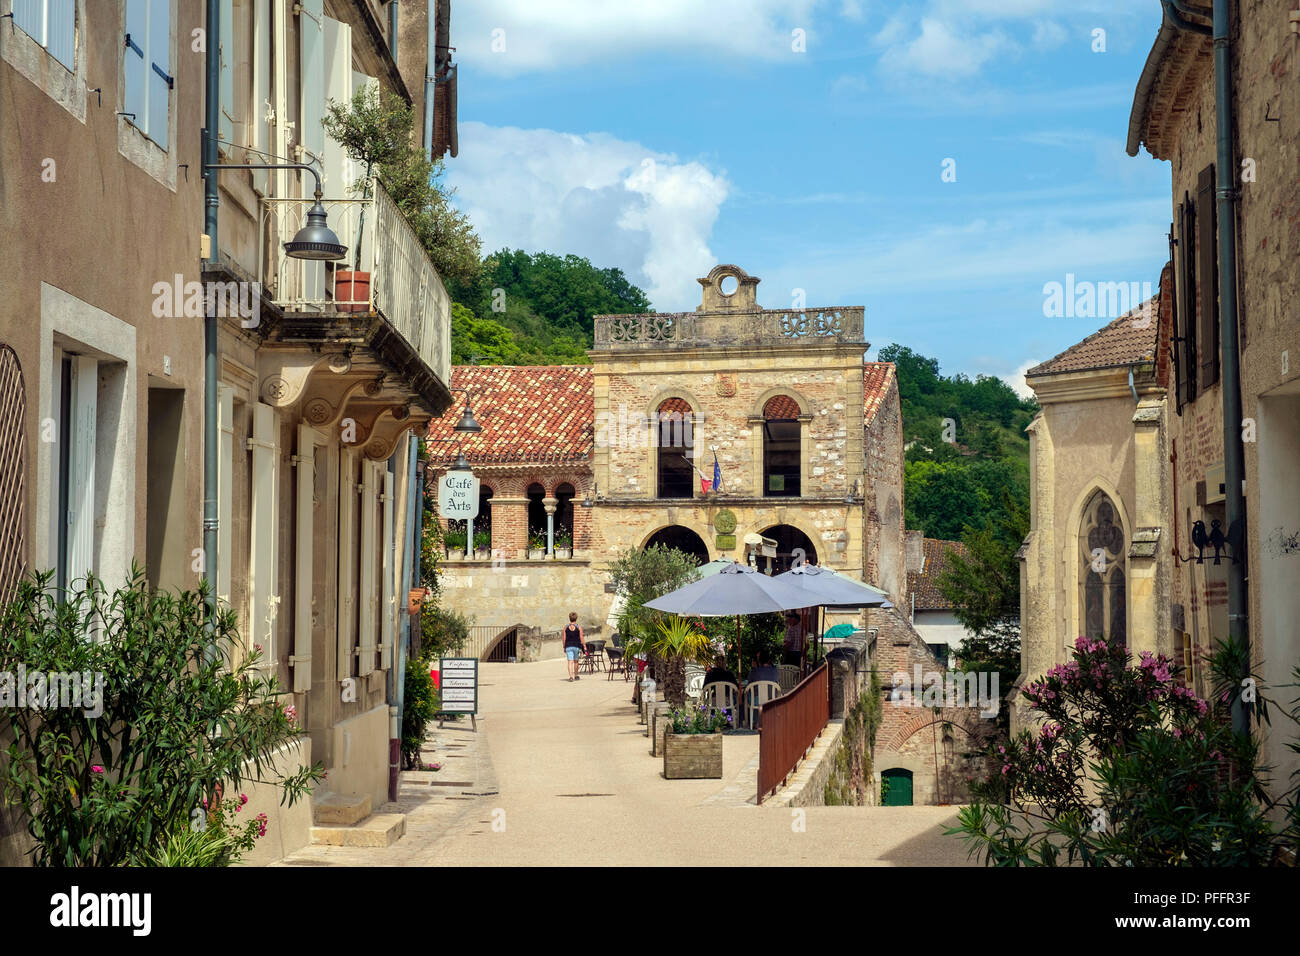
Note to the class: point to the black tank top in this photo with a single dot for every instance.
(571, 638)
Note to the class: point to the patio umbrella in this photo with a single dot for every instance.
(830, 588)
(736, 589)
(838, 631)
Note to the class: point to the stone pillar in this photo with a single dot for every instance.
(549, 504)
(510, 527)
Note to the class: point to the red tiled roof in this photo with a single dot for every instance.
(679, 405)
(877, 377)
(533, 413)
(1127, 340)
(781, 408)
(925, 584)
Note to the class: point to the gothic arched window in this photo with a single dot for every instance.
(1102, 582)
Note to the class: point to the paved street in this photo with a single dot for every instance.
(564, 771)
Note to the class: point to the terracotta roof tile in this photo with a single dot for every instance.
(1129, 339)
(535, 413)
(781, 408)
(877, 378)
(925, 584)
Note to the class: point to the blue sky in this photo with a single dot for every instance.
(664, 137)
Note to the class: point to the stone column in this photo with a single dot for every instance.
(549, 504)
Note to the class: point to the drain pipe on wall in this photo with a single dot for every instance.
(430, 70)
(211, 203)
(1234, 457)
(397, 673)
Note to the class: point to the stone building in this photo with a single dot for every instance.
(102, 343)
(1153, 463)
(930, 611)
(805, 433)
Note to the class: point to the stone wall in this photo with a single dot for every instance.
(537, 594)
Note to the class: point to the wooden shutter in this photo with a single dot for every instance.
(338, 87)
(263, 106)
(81, 468)
(264, 531)
(225, 488)
(158, 70)
(311, 32)
(61, 31)
(1188, 300)
(304, 557)
(134, 65)
(29, 16)
(388, 601)
(368, 591)
(1207, 295)
(347, 555)
(226, 77)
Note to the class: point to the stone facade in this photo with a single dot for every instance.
(731, 366)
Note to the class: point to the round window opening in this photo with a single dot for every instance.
(728, 285)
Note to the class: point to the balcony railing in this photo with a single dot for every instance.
(403, 287)
(830, 326)
(790, 725)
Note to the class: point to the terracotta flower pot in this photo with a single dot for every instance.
(352, 291)
(415, 600)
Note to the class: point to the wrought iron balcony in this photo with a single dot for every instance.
(394, 282)
(657, 330)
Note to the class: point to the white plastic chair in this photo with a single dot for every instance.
(789, 676)
(756, 695)
(694, 681)
(720, 695)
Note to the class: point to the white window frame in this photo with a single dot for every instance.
(64, 84)
(146, 48)
(33, 18)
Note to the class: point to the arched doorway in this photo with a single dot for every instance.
(896, 787)
(788, 538)
(683, 539)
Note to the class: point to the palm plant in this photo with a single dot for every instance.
(678, 643)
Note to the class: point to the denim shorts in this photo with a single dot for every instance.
(572, 653)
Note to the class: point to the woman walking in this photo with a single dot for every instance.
(573, 644)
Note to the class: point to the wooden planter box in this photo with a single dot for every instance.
(693, 756)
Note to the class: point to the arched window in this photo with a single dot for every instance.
(564, 515)
(483, 523)
(781, 447)
(1102, 581)
(674, 438)
(536, 495)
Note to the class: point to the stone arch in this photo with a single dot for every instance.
(757, 410)
(647, 530)
(698, 547)
(684, 394)
(818, 557)
(1070, 554)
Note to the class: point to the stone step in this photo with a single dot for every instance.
(381, 829)
(336, 809)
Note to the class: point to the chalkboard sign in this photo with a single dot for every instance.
(459, 679)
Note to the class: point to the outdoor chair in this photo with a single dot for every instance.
(789, 676)
(720, 695)
(591, 659)
(756, 695)
(616, 664)
(694, 681)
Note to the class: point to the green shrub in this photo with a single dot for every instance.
(420, 705)
(184, 713)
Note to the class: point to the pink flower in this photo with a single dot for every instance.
(243, 799)
(97, 769)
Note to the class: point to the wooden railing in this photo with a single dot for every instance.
(790, 724)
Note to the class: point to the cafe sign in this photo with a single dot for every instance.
(458, 495)
(459, 680)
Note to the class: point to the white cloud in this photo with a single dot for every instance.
(613, 201)
(1017, 378)
(511, 37)
(851, 10)
(941, 50)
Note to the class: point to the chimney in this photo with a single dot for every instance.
(914, 548)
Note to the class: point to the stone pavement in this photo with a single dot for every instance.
(560, 773)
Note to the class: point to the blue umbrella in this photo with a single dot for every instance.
(830, 588)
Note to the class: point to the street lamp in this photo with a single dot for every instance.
(313, 241)
(467, 424)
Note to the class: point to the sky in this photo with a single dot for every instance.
(937, 161)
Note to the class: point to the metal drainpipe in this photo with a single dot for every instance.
(430, 68)
(392, 28)
(211, 203)
(397, 676)
(1234, 470)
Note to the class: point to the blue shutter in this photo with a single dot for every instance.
(310, 28)
(226, 125)
(159, 83)
(135, 69)
(61, 31)
(29, 16)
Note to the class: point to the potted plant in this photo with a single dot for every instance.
(455, 539)
(564, 544)
(536, 545)
(373, 131)
(482, 544)
(693, 743)
(678, 643)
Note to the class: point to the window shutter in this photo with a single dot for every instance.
(29, 16)
(81, 468)
(225, 489)
(387, 601)
(1189, 301)
(310, 29)
(158, 56)
(263, 594)
(368, 592)
(226, 77)
(262, 103)
(61, 30)
(304, 558)
(338, 87)
(347, 554)
(1208, 278)
(135, 69)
